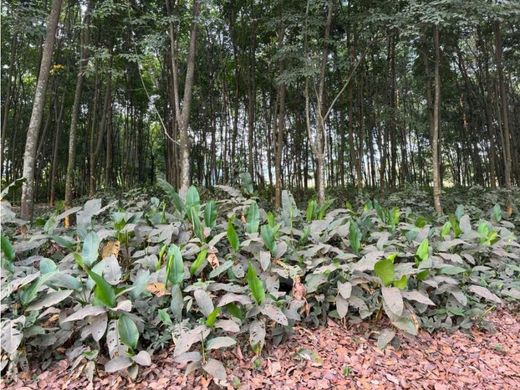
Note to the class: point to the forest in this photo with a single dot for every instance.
(202, 193)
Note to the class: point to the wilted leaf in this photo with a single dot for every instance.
(187, 339)
(215, 368)
(275, 314)
(393, 299)
(418, 297)
(341, 306)
(386, 336)
(118, 363)
(84, 312)
(230, 297)
(158, 289)
(204, 302)
(142, 358)
(49, 300)
(11, 336)
(220, 342)
(484, 293)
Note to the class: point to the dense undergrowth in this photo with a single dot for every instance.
(135, 274)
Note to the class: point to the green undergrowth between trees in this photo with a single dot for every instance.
(133, 275)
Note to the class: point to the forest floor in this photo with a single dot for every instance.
(335, 356)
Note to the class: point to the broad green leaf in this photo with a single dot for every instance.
(103, 291)
(210, 214)
(232, 235)
(193, 199)
(401, 283)
(90, 251)
(172, 194)
(255, 285)
(455, 225)
(198, 229)
(253, 218)
(311, 210)
(268, 238)
(446, 228)
(212, 317)
(175, 265)
(165, 317)
(247, 183)
(7, 248)
(354, 237)
(127, 330)
(497, 213)
(30, 293)
(422, 251)
(385, 270)
(199, 261)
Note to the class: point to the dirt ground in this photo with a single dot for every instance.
(331, 357)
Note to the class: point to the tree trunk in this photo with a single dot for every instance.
(37, 112)
(75, 108)
(506, 149)
(437, 185)
(182, 116)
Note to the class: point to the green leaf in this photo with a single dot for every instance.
(267, 234)
(29, 294)
(165, 317)
(193, 199)
(128, 332)
(311, 210)
(175, 265)
(401, 283)
(7, 248)
(497, 213)
(197, 225)
(235, 311)
(446, 228)
(103, 291)
(423, 274)
(253, 218)
(354, 236)
(423, 251)
(385, 270)
(173, 195)
(255, 285)
(210, 214)
(247, 183)
(232, 235)
(90, 251)
(455, 225)
(452, 270)
(199, 261)
(212, 317)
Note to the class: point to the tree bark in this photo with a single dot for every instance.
(37, 112)
(506, 149)
(437, 185)
(75, 108)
